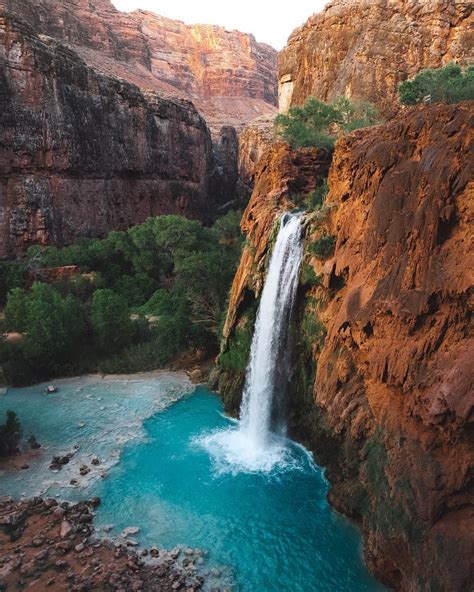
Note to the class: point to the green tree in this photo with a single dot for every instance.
(13, 274)
(110, 318)
(51, 322)
(318, 123)
(450, 84)
(10, 433)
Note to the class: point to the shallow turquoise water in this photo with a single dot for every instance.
(265, 532)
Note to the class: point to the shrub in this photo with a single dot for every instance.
(324, 246)
(10, 433)
(110, 320)
(13, 274)
(308, 277)
(450, 84)
(313, 330)
(318, 124)
(236, 358)
(52, 323)
(315, 200)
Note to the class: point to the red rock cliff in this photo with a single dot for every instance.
(390, 410)
(364, 48)
(228, 75)
(82, 153)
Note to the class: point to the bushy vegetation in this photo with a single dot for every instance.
(318, 123)
(312, 329)
(236, 357)
(10, 434)
(141, 297)
(450, 84)
(314, 200)
(324, 246)
(308, 277)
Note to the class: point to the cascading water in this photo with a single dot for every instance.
(263, 396)
(259, 443)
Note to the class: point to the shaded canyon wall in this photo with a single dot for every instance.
(82, 153)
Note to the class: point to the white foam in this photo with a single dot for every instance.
(232, 452)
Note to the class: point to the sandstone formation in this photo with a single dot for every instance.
(97, 130)
(364, 48)
(228, 75)
(82, 153)
(254, 140)
(383, 394)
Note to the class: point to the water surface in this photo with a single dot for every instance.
(264, 531)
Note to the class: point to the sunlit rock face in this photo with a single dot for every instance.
(386, 402)
(364, 48)
(228, 75)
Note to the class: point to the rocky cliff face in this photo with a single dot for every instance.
(254, 140)
(364, 48)
(382, 387)
(82, 153)
(228, 75)
(97, 131)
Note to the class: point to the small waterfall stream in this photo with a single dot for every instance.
(259, 443)
(263, 398)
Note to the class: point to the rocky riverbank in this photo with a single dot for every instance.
(46, 545)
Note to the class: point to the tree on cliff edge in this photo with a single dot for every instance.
(450, 84)
(319, 124)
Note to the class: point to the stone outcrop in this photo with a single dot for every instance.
(228, 75)
(254, 140)
(364, 48)
(383, 395)
(82, 153)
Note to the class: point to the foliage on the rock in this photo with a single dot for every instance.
(450, 84)
(323, 247)
(318, 123)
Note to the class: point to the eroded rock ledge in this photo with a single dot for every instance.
(383, 396)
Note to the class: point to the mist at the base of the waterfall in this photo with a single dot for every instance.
(232, 451)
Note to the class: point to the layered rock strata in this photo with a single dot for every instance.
(364, 48)
(82, 153)
(254, 140)
(228, 75)
(382, 388)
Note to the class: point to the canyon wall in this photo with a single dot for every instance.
(228, 75)
(254, 139)
(382, 386)
(97, 131)
(82, 153)
(364, 48)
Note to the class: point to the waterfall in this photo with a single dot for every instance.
(263, 398)
(258, 443)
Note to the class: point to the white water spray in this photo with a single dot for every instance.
(258, 444)
(262, 398)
